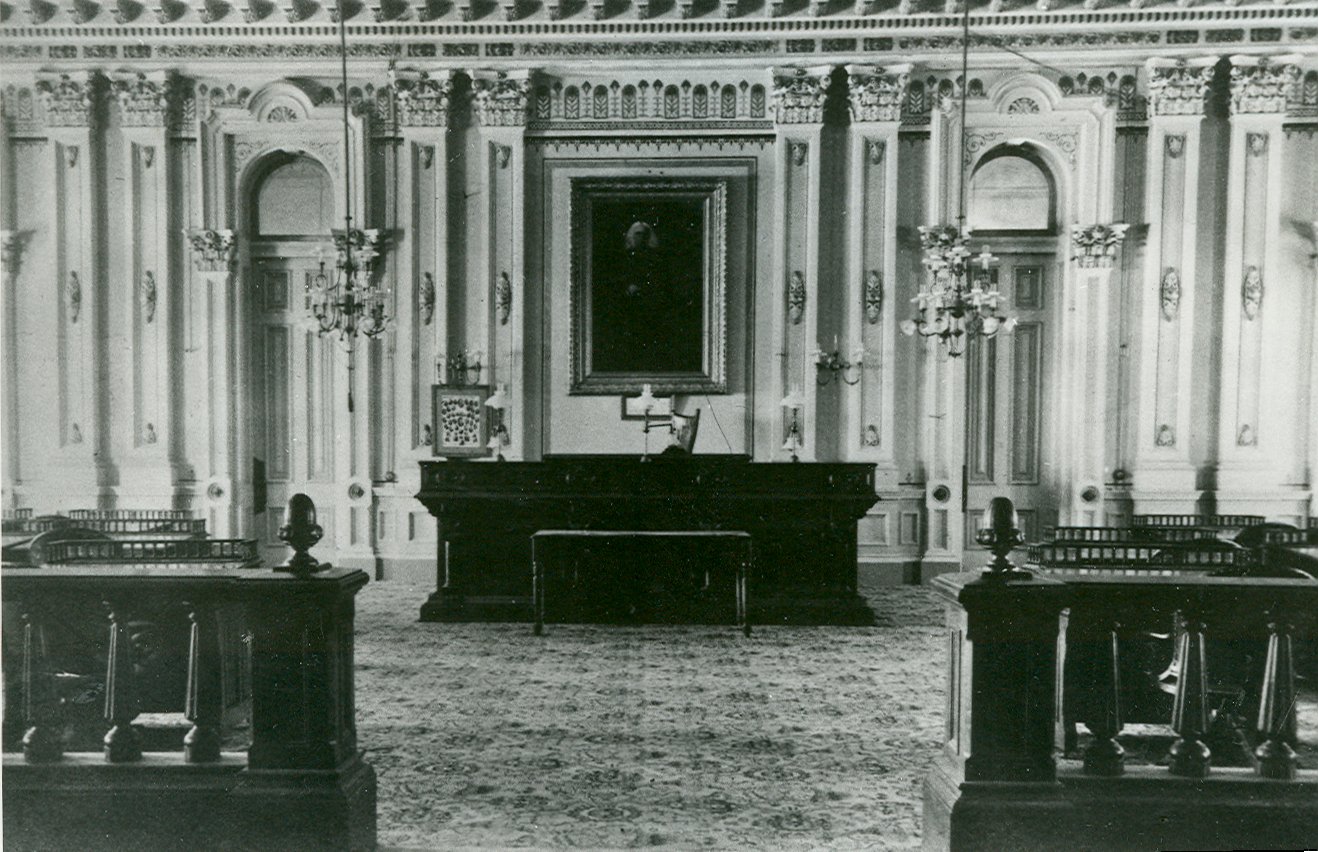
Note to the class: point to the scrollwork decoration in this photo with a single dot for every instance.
(427, 298)
(1251, 293)
(1169, 292)
(75, 297)
(796, 297)
(149, 296)
(1166, 436)
(873, 296)
(1246, 437)
(503, 298)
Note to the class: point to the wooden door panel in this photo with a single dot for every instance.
(1026, 388)
(981, 391)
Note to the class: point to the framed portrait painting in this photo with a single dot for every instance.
(648, 296)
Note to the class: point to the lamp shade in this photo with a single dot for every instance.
(499, 400)
(646, 400)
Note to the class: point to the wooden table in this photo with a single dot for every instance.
(742, 566)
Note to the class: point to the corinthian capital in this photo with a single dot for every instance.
(1261, 84)
(1095, 246)
(501, 97)
(69, 99)
(799, 93)
(1179, 87)
(876, 94)
(144, 97)
(423, 100)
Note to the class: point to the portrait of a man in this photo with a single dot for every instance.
(648, 285)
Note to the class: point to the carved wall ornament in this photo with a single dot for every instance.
(799, 151)
(876, 149)
(75, 434)
(1068, 142)
(1246, 437)
(1023, 106)
(69, 101)
(149, 434)
(75, 297)
(1166, 436)
(1262, 85)
(1179, 89)
(1251, 292)
(1256, 144)
(11, 251)
(798, 95)
(501, 99)
(427, 153)
(873, 296)
(1095, 246)
(871, 436)
(876, 94)
(149, 296)
(20, 111)
(1170, 293)
(212, 250)
(149, 156)
(423, 101)
(426, 297)
(503, 298)
(1175, 145)
(71, 156)
(281, 115)
(144, 99)
(978, 141)
(796, 297)
(503, 154)
(648, 104)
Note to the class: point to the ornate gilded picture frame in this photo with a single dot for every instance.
(648, 290)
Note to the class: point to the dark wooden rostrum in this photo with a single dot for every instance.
(302, 783)
(802, 519)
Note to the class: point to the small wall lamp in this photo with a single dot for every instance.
(498, 404)
(794, 402)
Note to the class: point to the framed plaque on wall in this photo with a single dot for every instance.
(461, 420)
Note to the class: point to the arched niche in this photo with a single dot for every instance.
(292, 197)
(1012, 190)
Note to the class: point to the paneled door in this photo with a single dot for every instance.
(1007, 406)
(294, 396)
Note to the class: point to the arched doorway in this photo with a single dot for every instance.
(292, 396)
(1012, 210)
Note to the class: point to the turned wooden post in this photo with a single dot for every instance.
(43, 742)
(1277, 704)
(1105, 756)
(1189, 754)
(122, 743)
(204, 703)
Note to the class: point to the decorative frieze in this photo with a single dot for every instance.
(149, 296)
(1179, 87)
(1095, 246)
(423, 100)
(501, 98)
(69, 100)
(503, 298)
(799, 93)
(73, 291)
(426, 298)
(877, 94)
(1262, 85)
(213, 250)
(648, 103)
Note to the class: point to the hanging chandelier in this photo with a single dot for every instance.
(956, 302)
(351, 302)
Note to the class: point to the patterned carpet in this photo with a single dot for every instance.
(616, 737)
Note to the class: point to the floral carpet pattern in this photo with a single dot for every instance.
(692, 737)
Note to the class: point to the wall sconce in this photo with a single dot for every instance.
(498, 404)
(794, 402)
(461, 369)
(830, 365)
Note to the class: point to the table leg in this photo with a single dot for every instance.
(743, 611)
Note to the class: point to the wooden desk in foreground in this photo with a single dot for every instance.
(801, 517)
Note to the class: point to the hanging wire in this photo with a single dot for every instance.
(347, 183)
